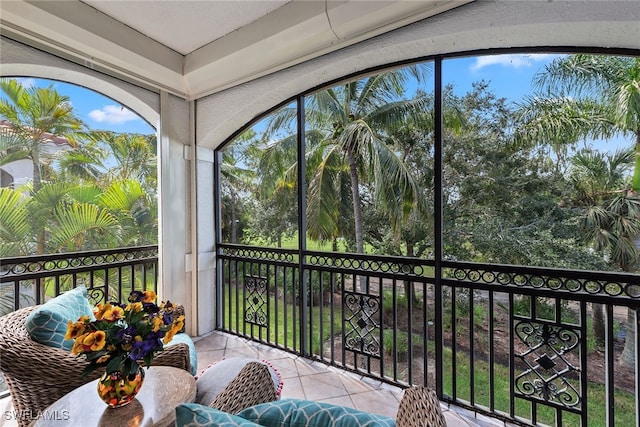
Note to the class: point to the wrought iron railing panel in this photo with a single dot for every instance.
(363, 317)
(545, 371)
(256, 300)
(107, 275)
(521, 332)
(618, 288)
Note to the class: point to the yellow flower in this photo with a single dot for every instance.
(149, 296)
(157, 323)
(176, 327)
(103, 358)
(74, 330)
(134, 307)
(94, 341)
(78, 347)
(168, 336)
(101, 309)
(114, 314)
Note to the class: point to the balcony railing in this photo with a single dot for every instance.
(514, 343)
(108, 275)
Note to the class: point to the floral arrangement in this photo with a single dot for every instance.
(124, 335)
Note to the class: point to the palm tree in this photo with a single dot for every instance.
(593, 96)
(14, 227)
(36, 115)
(237, 177)
(598, 179)
(347, 126)
(585, 96)
(134, 156)
(12, 147)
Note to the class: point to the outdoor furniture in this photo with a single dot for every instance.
(419, 407)
(164, 387)
(252, 386)
(216, 377)
(37, 375)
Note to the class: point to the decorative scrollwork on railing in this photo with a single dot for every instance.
(256, 300)
(258, 254)
(371, 264)
(60, 263)
(549, 362)
(96, 295)
(618, 285)
(363, 315)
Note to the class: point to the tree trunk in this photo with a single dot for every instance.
(37, 185)
(234, 225)
(409, 289)
(635, 182)
(628, 357)
(598, 322)
(357, 215)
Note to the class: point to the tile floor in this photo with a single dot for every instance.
(306, 379)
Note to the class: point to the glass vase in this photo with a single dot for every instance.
(117, 390)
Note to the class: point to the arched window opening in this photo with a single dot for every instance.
(83, 170)
(458, 215)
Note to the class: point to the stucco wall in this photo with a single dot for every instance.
(478, 25)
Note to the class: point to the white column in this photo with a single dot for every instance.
(174, 189)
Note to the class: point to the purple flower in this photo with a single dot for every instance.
(167, 318)
(141, 348)
(126, 335)
(150, 307)
(136, 296)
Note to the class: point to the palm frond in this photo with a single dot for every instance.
(14, 227)
(75, 222)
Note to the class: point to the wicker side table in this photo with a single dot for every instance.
(164, 388)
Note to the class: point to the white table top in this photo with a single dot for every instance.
(164, 388)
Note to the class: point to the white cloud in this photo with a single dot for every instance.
(113, 114)
(26, 82)
(510, 60)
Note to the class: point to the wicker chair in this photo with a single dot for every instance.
(38, 375)
(253, 385)
(420, 407)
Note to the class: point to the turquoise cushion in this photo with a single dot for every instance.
(186, 339)
(304, 413)
(195, 415)
(47, 324)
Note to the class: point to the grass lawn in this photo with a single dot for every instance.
(624, 401)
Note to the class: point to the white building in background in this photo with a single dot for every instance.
(20, 172)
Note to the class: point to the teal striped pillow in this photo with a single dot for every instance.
(304, 413)
(47, 324)
(196, 415)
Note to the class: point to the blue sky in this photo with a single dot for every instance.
(96, 110)
(509, 75)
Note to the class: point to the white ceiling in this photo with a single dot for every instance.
(193, 48)
(184, 26)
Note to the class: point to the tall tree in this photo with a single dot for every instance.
(582, 97)
(593, 96)
(37, 115)
(237, 177)
(353, 120)
(599, 180)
